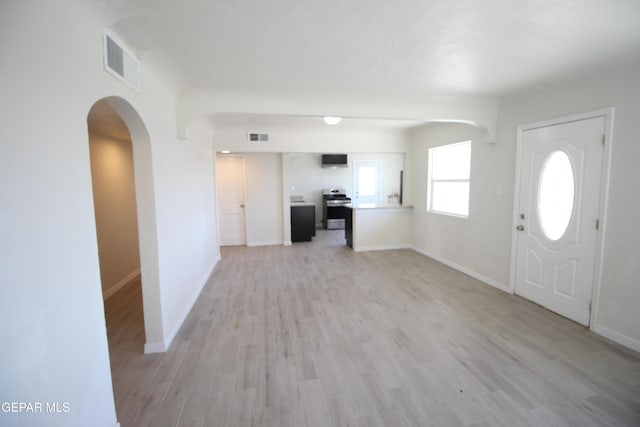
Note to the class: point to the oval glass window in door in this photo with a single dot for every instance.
(556, 195)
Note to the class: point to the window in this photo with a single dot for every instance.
(556, 195)
(448, 185)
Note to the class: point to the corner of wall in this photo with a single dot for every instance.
(616, 337)
(465, 270)
(161, 347)
(121, 284)
(154, 347)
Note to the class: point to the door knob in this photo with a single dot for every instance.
(520, 228)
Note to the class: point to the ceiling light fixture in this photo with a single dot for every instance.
(225, 151)
(332, 120)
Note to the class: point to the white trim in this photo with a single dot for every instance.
(382, 247)
(604, 204)
(265, 243)
(154, 347)
(608, 114)
(616, 337)
(117, 424)
(161, 347)
(121, 284)
(465, 270)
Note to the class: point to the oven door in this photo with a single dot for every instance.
(335, 217)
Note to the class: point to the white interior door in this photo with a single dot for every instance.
(231, 200)
(366, 182)
(559, 193)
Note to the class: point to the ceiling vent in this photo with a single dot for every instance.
(258, 137)
(120, 62)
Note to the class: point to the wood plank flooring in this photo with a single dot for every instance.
(316, 335)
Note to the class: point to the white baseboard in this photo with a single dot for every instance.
(465, 270)
(265, 243)
(382, 247)
(154, 347)
(161, 347)
(121, 284)
(616, 337)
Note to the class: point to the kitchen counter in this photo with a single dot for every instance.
(371, 227)
(294, 204)
(377, 206)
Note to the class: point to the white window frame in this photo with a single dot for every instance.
(431, 181)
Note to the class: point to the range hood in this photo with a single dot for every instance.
(334, 161)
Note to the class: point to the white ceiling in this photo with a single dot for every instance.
(325, 54)
(429, 47)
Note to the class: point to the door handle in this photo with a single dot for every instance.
(242, 206)
(520, 228)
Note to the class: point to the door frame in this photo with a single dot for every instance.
(608, 114)
(244, 189)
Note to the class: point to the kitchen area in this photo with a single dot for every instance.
(381, 223)
(285, 173)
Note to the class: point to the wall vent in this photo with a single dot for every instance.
(120, 62)
(258, 137)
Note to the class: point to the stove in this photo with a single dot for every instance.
(333, 210)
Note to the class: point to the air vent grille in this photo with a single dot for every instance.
(258, 137)
(120, 62)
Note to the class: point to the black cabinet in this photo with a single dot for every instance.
(348, 226)
(303, 223)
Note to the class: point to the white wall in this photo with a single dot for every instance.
(382, 228)
(187, 229)
(114, 198)
(479, 244)
(52, 317)
(617, 305)
(264, 208)
(321, 139)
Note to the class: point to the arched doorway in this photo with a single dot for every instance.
(116, 219)
(147, 235)
(126, 227)
(114, 198)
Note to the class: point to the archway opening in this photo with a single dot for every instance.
(122, 181)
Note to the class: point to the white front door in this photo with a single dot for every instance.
(366, 182)
(231, 200)
(557, 218)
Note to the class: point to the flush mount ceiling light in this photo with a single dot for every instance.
(332, 120)
(225, 151)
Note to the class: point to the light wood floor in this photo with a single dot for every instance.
(317, 335)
